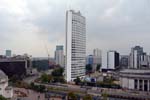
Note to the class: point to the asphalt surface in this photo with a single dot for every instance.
(91, 90)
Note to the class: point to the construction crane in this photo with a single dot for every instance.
(47, 54)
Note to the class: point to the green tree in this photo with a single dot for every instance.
(88, 67)
(59, 79)
(77, 81)
(72, 96)
(105, 96)
(32, 84)
(41, 88)
(58, 72)
(38, 88)
(109, 80)
(87, 97)
(2, 98)
(98, 67)
(46, 78)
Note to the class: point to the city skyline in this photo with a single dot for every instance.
(27, 26)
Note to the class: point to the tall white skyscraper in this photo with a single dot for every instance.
(59, 56)
(75, 45)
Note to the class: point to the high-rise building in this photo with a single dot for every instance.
(112, 60)
(8, 53)
(75, 45)
(97, 52)
(97, 58)
(59, 56)
(144, 60)
(124, 61)
(104, 60)
(135, 57)
(89, 59)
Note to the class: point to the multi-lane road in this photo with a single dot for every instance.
(93, 90)
(98, 91)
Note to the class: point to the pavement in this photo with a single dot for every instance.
(31, 95)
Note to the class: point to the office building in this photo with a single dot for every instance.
(104, 60)
(138, 58)
(8, 53)
(124, 61)
(148, 56)
(97, 52)
(94, 61)
(135, 54)
(144, 60)
(59, 56)
(112, 60)
(75, 45)
(18, 66)
(97, 58)
(43, 63)
(89, 59)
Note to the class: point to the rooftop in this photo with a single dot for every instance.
(136, 71)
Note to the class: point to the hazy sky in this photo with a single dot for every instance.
(26, 26)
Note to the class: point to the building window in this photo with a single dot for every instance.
(140, 85)
(145, 85)
(136, 84)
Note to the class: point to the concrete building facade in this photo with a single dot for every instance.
(20, 65)
(124, 61)
(89, 60)
(138, 58)
(135, 57)
(59, 56)
(8, 53)
(144, 60)
(112, 60)
(97, 58)
(135, 79)
(75, 45)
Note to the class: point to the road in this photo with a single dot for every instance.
(91, 90)
(31, 79)
(98, 91)
(31, 95)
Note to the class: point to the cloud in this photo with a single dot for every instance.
(28, 25)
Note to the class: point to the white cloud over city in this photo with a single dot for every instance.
(26, 26)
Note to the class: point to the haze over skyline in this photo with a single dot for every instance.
(26, 26)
